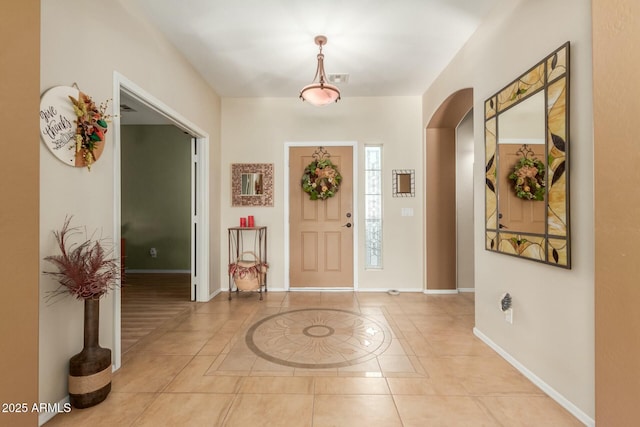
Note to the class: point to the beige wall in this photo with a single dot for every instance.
(119, 41)
(255, 131)
(465, 144)
(617, 154)
(552, 335)
(20, 89)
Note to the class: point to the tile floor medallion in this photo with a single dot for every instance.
(318, 359)
(318, 338)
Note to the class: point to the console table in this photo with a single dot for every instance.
(236, 237)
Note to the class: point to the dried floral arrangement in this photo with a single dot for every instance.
(86, 269)
(91, 126)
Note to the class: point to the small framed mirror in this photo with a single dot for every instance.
(526, 164)
(403, 183)
(252, 184)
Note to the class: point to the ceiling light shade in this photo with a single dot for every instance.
(319, 92)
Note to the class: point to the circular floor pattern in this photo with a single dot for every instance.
(315, 338)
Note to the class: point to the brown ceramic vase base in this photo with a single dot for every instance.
(87, 400)
(83, 367)
(90, 370)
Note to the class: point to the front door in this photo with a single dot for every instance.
(526, 216)
(321, 231)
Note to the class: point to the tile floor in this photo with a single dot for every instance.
(197, 370)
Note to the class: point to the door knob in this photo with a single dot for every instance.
(348, 225)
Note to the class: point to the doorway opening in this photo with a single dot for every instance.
(155, 161)
(183, 251)
(447, 232)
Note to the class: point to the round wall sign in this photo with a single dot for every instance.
(58, 125)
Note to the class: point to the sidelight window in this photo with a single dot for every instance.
(373, 206)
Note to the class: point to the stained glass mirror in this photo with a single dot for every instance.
(526, 164)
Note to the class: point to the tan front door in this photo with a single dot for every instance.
(321, 243)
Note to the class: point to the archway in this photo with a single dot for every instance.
(441, 192)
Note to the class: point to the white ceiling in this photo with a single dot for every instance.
(265, 48)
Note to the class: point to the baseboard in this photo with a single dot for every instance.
(62, 406)
(440, 291)
(466, 290)
(384, 290)
(562, 401)
(360, 290)
(135, 271)
(214, 294)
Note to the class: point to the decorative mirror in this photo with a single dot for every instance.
(403, 183)
(252, 184)
(527, 164)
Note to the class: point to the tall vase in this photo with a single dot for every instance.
(90, 370)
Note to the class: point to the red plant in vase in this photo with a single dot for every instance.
(86, 269)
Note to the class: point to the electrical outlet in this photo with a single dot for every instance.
(153, 252)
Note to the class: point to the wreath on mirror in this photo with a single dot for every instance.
(321, 179)
(528, 179)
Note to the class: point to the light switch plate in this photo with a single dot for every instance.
(406, 212)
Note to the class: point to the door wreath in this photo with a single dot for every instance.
(528, 179)
(321, 179)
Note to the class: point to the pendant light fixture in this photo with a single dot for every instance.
(319, 92)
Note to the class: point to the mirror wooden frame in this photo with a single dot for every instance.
(264, 199)
(551, 75)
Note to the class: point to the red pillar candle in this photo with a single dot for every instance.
(243, 222)
(251, 222)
